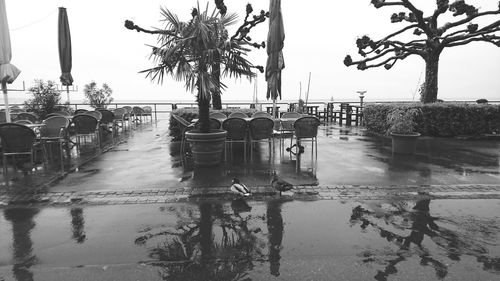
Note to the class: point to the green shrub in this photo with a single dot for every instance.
(439, 119)
(192, 113)
(46, 99)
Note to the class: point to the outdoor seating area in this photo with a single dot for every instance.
(33, 144)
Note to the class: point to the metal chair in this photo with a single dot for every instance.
(261, 129)
(96, 114)
(137, 114)
(262, 114)
(17, 140)
(80, 111)
(148, 112)
(236, 133)
(306, 129)
(121, 118)
(55, 130)
(27, 116)
(286, 128)
(86, 125)
(218, 115)
(106, 123)
(238, 114)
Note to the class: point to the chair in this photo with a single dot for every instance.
(236, 132)
(17, 139)
(86, 125)
(238, 114)
(27, 116)
(107, 122)
(96, 114)
(23, 122)
(120, 120)
(55, 130)
(261, 114)
(218, 115)
(148, 112)
(137, 113)
(80, 111)
(306, 129)
(184, 126)
(261, 129)
(286, 126)
(213, 124)
(63, 113)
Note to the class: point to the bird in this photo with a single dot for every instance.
(280, 184)
(239, 188)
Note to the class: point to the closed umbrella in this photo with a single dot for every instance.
(8, 72)
(275, 60)
(65, 49)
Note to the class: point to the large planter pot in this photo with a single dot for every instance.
(207, 148)
(404, 143)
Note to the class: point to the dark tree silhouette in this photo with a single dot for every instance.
(431, 38)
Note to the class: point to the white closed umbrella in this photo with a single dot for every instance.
(8, 72)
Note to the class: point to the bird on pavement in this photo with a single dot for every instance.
(239, 188)
(280, 184)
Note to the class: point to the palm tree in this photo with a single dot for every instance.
(192, 51)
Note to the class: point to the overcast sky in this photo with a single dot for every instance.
(319, 33)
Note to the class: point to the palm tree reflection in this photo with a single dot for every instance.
(22, 226)
(391, 222)
(78, 225)
(275, 229)
(207, 243)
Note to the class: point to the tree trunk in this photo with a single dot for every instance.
(206, 241)
(430, 91)
(203, 113)
(216, 93)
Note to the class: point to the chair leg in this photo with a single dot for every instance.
(4, 160)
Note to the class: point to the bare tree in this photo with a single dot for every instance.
(431, 38)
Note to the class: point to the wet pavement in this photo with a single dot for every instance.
(357, 212)
(275, 239)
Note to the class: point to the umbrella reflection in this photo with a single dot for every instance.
(275, 229)
(390, 221)
(22, 227)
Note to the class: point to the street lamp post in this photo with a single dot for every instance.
(361, 97)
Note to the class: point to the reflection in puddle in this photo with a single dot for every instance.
(414, 232)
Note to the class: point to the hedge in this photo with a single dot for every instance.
(192, 113)
(440, 119)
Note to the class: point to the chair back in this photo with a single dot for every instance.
(306, 127)
(63, 113)
(236, 128)
(291, 115)
(16, 138)
(16, 110)
(238, 114)
(107, 116)
(85, 124)
(218, 115)
(212, 123)
(183, 123)
(80, 111)
(261, 128)
(261, 114)
(55, 127)
(147, 109)
(3, 118)
(128, 109)
(24, 122)
(119, 113)
(27, 116)
(137, 111)
(96, 114)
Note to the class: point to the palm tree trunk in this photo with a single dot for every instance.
(203, 113)
(216, 93)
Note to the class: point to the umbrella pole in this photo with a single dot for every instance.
(275, 114)
(67, 93)
(6, 101)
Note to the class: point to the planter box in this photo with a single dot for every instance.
(404, 144)
(207, 148)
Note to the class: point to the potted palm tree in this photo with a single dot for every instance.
(402, 124)
(198, 52)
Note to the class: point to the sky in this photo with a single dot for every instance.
(319, 34)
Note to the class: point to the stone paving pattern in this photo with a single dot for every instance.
(333, 192)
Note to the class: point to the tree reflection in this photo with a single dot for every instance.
(275, 229)
(394, 220)
(207, 243)
(22, 226)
